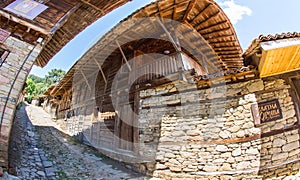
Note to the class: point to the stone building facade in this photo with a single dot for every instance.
(192, 110)
(211, 132)
(13, 72)
(200, 130)
(56, 23)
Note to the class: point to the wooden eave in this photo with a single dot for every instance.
(206, 15)
(279, 61)
(81, 17)
(219, 45)
(57, 25)
(274, 61)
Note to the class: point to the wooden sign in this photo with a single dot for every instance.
(266, 111)
(26, 8)
(3, 35)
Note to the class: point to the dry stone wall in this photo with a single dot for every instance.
(8, 72)
(205, 133)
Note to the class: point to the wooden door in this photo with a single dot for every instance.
(126, 123)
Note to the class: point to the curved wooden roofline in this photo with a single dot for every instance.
(211, 22)
(80, 16)
(217, 29)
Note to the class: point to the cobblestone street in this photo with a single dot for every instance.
(39, 150)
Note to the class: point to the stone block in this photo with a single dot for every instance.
(187, 154)
(226, 167)
(175, 168)
(294, 152)
(291, 146)
(170, 155)
(221, 148)
(210, 168)
(252, 151)
(256, 86)
(280, 156)
(161, 166)
(243, 165)
(225, 134)
(278, 142)
(236, 152)
(193, 132)
(234, 129)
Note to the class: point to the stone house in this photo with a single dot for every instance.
(32, 32)
(169, 91)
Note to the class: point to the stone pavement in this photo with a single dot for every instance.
(39, 150)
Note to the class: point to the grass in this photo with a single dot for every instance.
(62, 175)
(19, 105)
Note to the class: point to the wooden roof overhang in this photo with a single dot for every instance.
(275, 54)
(204, 18)
(57, 25)
(209, 33)
(207, 19)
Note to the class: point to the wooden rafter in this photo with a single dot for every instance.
(93, 6)
(190, 7)
(207, 19)
(205, 8)
(201, 29)
(216, 31)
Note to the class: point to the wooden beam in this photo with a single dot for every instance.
(209, 4)
(93, 6)
(216, 31)
(124, 57)
(86, 80)
(103, 75)
(210, 27)
(169, 36)
(25, 23)
(215, 14)
(190, 7)
(64, 19)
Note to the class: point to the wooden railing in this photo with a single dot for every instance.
(154, 69)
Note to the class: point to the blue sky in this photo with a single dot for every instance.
(249, 17)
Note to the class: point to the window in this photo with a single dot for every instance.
(3, 55)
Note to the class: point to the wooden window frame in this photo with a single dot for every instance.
(3, 55)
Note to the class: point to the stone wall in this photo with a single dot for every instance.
(8, 72)
(204, 133)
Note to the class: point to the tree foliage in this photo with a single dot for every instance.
(54, 76)
(36, 86)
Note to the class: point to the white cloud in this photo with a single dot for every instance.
(234, 11)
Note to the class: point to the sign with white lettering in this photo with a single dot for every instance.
(268, 111)
(26, 8)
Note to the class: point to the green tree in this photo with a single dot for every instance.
(30, 89)
(31, 86)
(36, 79)
(36, 86)
(54, 76)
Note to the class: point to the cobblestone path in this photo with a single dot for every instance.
(40, 151)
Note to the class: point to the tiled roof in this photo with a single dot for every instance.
(254, 46)
(271, 37)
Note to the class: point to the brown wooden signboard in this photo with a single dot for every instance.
(266, 111)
